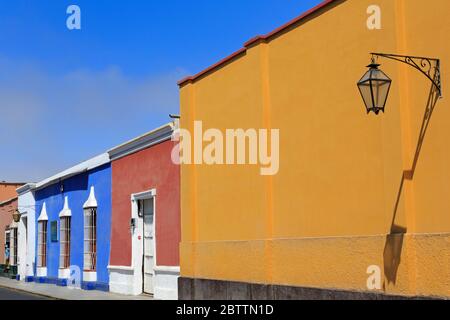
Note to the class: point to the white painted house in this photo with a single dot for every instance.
(26, 232)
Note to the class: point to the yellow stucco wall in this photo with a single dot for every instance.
(325, 217)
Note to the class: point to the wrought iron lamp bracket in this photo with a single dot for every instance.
(429, 67)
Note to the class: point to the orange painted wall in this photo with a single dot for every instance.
(327, 215)
(8, 190)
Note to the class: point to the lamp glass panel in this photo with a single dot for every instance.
(366, 94)
(374, 87)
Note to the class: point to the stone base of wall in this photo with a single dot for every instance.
(128, 281)
(200, 289)
(61, 282)
(88, 286)
(97, 286)
(46, 280)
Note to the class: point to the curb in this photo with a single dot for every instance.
(31, 293)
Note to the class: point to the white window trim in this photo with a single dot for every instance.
(42, 269)
(146, 195)
(64, 273)
(167, 269)
(65, 212)
(43, 216)
(90, 276)
(122, 268)
(91, 203)
(41, 272)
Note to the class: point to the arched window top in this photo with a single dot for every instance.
(91, 201)
(66, 212)
(43, 216)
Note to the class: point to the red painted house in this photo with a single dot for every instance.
(145, 216)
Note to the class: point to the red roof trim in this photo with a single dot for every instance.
(253, 41)
(213, 67)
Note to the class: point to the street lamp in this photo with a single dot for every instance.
(374, 86)
(16, 216)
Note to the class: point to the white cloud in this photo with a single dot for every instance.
(51, 121)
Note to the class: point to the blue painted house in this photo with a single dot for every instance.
(73, 226)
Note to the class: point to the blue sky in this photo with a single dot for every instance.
(66, 96)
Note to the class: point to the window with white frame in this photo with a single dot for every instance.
(13, 247)
(42, 244)
(90, 239)
(7, 246)
(64, 234)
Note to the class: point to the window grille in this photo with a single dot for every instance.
(13, 247)
(42, 244)
(90, 239)
(64, 253)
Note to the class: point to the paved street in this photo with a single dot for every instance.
(32, 291)
(9, 294)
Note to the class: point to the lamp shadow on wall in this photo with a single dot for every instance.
(392, 254)
(394, 240)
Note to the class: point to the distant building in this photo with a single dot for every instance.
(8, 229)
(8, 190)
(7, 209)
(8, 238)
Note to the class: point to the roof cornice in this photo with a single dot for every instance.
(83, 167)
(144, 141)
(25, 188)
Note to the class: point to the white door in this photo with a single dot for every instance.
(23, 248)
(149, 246)
(25, 223)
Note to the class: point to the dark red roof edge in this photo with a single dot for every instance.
(253, 41)
(213, 67)
(5, 183)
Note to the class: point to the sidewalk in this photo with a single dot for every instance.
(64, 293)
